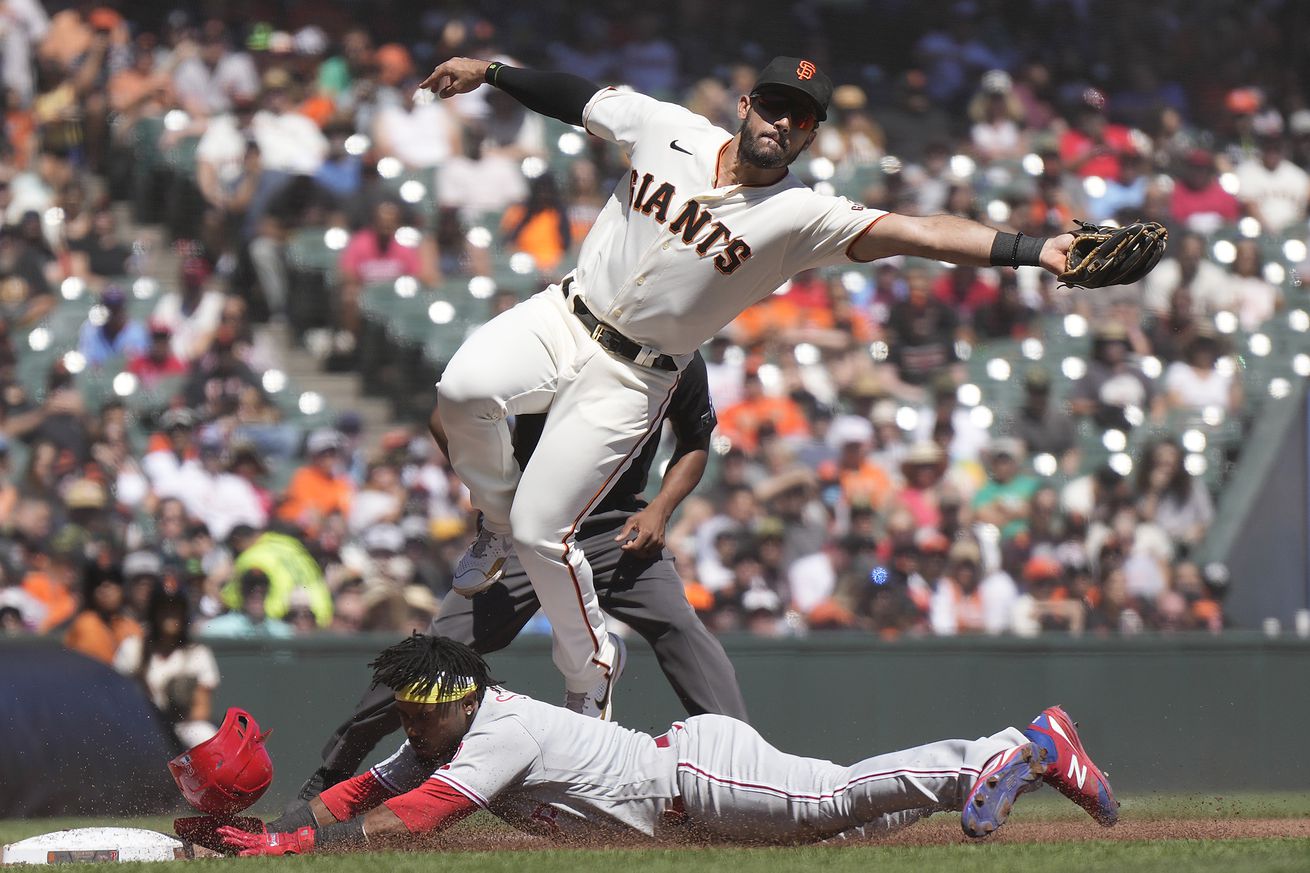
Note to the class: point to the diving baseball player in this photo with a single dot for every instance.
(707, 223)
(474, 745)
(635, 580)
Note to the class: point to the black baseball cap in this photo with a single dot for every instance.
(798, 74)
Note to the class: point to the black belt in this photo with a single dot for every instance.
(614, 342)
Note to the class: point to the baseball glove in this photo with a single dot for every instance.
(1103, 255)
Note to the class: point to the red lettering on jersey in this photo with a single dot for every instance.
(718, 232)
(731, 258)
(657, 205)
(691, 221)
(805, 70)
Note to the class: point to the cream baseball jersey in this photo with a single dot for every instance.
(547, 770)
(674, 255)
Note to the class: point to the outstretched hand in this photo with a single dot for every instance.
(456, 76)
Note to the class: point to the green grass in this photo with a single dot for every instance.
(1102, 856)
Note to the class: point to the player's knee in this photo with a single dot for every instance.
(535, 535)
(458, 394)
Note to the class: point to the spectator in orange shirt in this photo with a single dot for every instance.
(103, 624)
(320, 488)
(863, 483)
(540, 226)
(742, 421)
(52, 587)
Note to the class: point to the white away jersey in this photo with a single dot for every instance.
(549, 771)
(673, 256)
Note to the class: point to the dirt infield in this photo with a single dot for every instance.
(945, 830)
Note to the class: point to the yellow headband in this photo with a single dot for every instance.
(461, 687)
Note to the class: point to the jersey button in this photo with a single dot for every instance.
(666, 246)
(641, 280)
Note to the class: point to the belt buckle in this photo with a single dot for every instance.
(597, 332)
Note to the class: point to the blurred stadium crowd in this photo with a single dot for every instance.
(903, 448)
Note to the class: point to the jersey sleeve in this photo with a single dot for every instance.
(621, 116)
(834, 226)
(356, 795)
(402, 772)
(691, 413)
(491, 759)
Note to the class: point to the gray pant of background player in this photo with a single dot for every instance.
(644, 593)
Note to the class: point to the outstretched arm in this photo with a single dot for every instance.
(951, 238)
(559, 95)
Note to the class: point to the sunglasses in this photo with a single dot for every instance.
(774, 106)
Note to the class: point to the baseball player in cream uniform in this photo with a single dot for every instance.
(473, 745)
(706, 223)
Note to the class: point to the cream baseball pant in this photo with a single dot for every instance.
(600, 410)
(735, 785)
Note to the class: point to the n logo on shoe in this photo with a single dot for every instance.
(1077, 770)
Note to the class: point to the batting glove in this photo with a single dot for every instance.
(300, 842)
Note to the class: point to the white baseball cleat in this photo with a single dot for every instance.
(482, 563)
(599, 701)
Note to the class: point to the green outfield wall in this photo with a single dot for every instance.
(1159, 713)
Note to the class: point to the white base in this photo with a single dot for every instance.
(94, 844)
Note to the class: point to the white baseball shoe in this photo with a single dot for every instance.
(599, 701)
(482, 563)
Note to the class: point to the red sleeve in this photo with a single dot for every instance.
(431, 806)
(345, 800)
(354, 253)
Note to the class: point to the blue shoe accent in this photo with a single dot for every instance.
(992, 797)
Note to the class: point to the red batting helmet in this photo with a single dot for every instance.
(227, 772)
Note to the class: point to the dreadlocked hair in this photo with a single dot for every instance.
(425, 663)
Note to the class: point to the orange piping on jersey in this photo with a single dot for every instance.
(577, 589)
(859, 236)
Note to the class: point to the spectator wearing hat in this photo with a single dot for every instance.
(1004, 499)
(921, 472)
(250, 617)
(1274, 190)
(143, 570)
(1114, 384)
(165, 462)
(1198, 201)
(117, 336)
(1042, 426)
(157, 363)
(319, 488)
(1196, 382)
(996, 114)
(1045, 603)
(193, 311)
(286, 564)
(964, 602)
(103, 624)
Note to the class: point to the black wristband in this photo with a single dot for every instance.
(344, 834)
(490, 75)
(1016, 250)
(292, 821)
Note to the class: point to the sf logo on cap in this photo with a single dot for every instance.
(805, 70)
